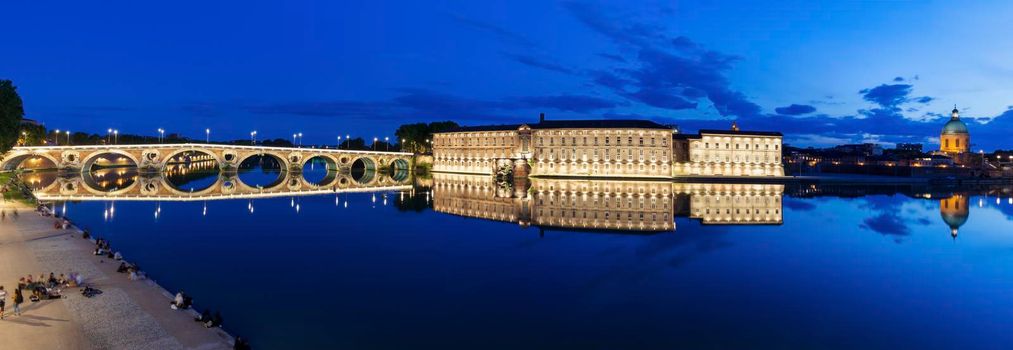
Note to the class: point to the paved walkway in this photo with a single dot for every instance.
(127, 315)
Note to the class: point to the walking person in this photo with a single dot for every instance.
(18, 299)
(3, 301)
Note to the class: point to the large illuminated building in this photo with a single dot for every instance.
(610, 148)
(605, 148)
(954, 139)
(730, 152)
(612, 205)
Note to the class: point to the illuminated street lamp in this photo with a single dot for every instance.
(109, 136)
(374, 143)
(386, 144)
(207, 135)
(339, 142)
(253, 138)
(116, 136)
(161, 135)
(300, 139)
(68, 137)
(56, 139)
(401, 146)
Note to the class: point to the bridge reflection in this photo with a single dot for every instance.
(201, 180)
(636, 206)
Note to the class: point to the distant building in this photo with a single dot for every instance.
(909, 147)
(865, 149)
(954, 139)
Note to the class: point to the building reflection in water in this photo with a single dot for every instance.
(954, 212)
(611, 205)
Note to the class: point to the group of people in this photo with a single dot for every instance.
(46, 287)
(41, 288)
(18, 300)
(3, 214)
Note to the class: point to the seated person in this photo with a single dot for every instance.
(123, 267)
(118, 256)
(204, 316)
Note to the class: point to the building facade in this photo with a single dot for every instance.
(606, 148)
(728, 153)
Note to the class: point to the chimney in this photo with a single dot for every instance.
(541, 117)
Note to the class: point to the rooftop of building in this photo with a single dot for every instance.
(725, 132)
(571, 124)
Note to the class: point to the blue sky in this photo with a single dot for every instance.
(821, 72)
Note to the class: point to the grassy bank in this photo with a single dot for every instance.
(14, 190)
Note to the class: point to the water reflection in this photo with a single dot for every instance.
(196, 178)
(635, 206)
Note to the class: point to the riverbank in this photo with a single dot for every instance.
(127, 315)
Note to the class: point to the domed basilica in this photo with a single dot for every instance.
(954, 139)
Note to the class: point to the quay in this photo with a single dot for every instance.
(127, 315)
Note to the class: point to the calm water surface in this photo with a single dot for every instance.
(463, 262)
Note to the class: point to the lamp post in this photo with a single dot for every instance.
(374, 144)
(300, 139)
(161, 135)
(401, 146)
(109, 136)
(116, 137)
(253, 137)
(207, 135)
(339, 143)
(386, 144)
(68, 137)
(293, 139)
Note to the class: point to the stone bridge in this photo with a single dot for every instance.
(225, 186)
(157, 157)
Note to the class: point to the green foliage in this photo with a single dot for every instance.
(417, 136)
(32, 135)
(11, 112)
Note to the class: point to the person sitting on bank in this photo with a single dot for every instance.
(85, 234)
(215, 321)
(123, 267)
(177, 302)
(118, 256)
(204, 316)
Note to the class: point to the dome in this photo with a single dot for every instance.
(955, 126)
(954, 220)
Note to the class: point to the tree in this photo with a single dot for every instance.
(417, 137)
(11, 112)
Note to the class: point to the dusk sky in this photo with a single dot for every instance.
(821, 72)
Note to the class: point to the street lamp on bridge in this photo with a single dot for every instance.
(68, 137)
(116, 136)
(374, 144)
(207, 135)
(161, 135)
(300, 139)
(56, 139)
(109, 136)
(339, 142)
(253, 137)
(386, 144)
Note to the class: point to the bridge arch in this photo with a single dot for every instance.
(281, 158)
(331, 165)
(364, 170)
(176, 191)
(11, 162)
(88, 161)
(173, 153)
